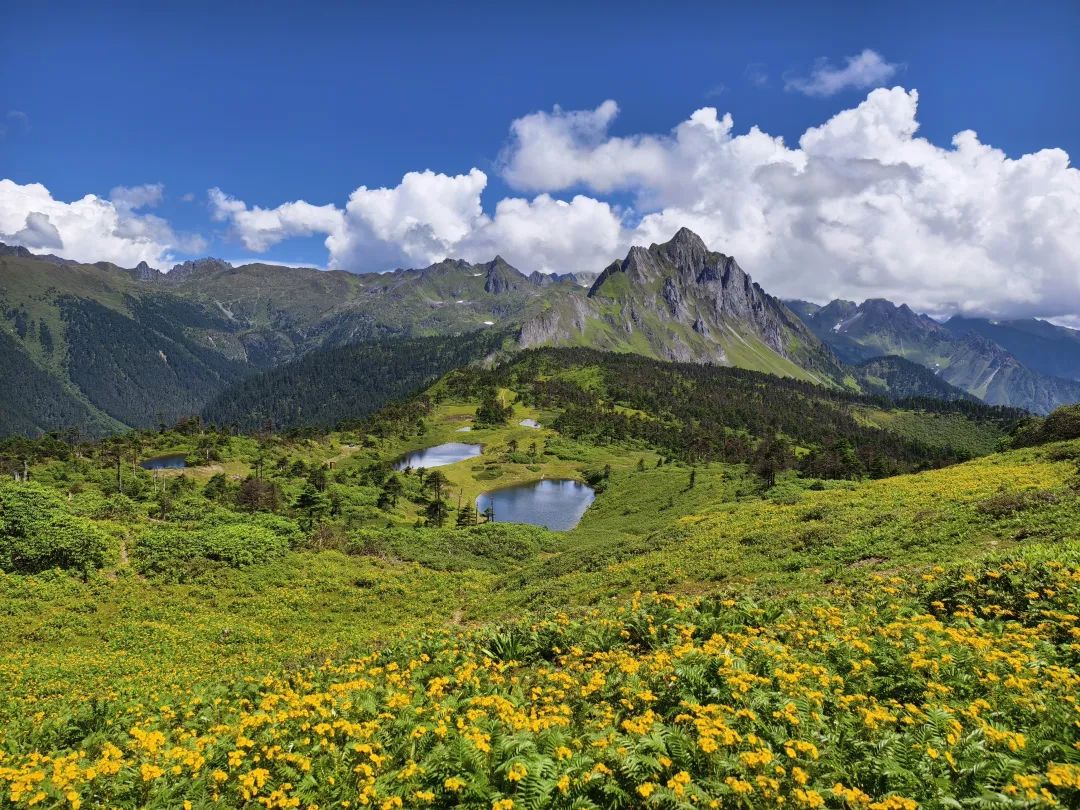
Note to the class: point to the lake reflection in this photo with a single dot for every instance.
(173, 461)
(438, 456)
(555, 503)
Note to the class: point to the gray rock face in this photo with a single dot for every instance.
(502, 278)
(557, 324)
(197, 267)
(687, 303)
(145, 272)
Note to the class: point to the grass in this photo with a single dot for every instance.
(271, 675)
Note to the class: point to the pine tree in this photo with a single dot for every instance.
(312, 504)
(466, 516)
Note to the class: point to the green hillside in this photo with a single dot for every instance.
(138, 348)
(269, 625)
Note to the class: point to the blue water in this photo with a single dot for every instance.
(174, 461)
(438, 456)
(555, 503)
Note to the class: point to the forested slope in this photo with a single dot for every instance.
(326, 387)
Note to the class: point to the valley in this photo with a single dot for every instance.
(584, 406)
(303, 571)
(100, 348)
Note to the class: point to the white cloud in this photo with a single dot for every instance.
(549, 235)
(430, 216)
(91, 229)
(420, 220)
(867, 69)
(261, 228)
(861, 206)
(39, 232)
(130, 198)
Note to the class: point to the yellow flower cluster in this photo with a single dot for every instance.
(666, 700)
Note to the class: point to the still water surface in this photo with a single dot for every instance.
(555, 503)
(438, 456)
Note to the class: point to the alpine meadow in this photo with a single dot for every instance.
(389, 418)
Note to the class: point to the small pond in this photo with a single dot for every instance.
(529, 423)
(438, 456)
(173, 461)
(556, 503)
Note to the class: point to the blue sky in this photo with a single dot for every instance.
(274, 103)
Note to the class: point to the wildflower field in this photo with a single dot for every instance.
(958, 690)
(273, 627)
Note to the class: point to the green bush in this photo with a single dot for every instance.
(1059, 426)
(38, 533)
(175, 552)
(493, 547)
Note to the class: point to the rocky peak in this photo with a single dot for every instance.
(686, 251)
(683, 261)
(197, 267)
(144, 272)
(681, 301)
(501, 277)
(15, 250)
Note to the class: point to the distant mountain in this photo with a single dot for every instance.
(1037, 344)
(134, 346)
(963, 358)
(680, 301)
(106, 347)
(899, 379)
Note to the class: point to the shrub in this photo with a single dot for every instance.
(175, 552)
(1059, 426)
(1008, 503)
(38, 533)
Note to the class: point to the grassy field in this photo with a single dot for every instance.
(377, 664)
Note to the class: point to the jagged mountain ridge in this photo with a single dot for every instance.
(131, 346)
(962, 357)
(1038, 344)
(680, 301)
(135, 346)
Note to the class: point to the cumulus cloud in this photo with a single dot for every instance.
(430, 216)
(39, 232)
(549, 235)
(130, 198)
(261, 228)
(92, 228)
(866, 69)
(861, 207)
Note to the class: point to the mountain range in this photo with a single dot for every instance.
(103, 347)
(972, 354)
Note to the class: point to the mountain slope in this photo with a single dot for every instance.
(898, 378)
(964, 359)
(135, 346)
(680, 301)
(1039, 345)
(328, 386)
(38, 402)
